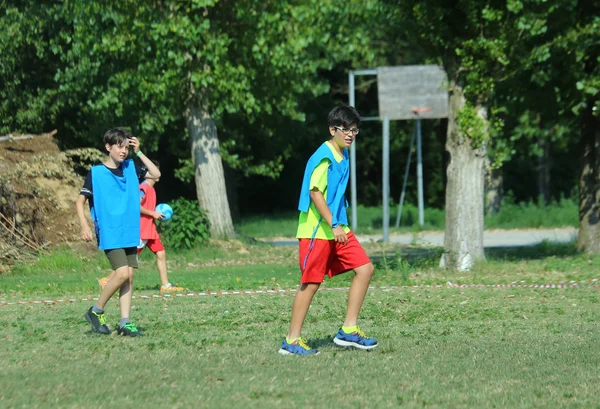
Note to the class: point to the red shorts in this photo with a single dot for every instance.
(329, 257)
(155, 245)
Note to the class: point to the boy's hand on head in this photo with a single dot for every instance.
(340, 235)
(134, 143)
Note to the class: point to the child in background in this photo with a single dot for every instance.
(149, 235)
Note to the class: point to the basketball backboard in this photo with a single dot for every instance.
(404, 89)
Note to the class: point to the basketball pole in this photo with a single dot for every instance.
(420, 173)
(386, 178)
(421, 206)
(352, 101)
(425, 84)
(406, 172)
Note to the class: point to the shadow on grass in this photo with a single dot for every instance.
(327, 343)
(251, 241)
(430, 256)
(540, 251)
(321, 342)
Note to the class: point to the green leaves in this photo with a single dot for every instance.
(472, 125)
(188, 227)
(90, 65)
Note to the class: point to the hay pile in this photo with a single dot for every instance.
(38, 188)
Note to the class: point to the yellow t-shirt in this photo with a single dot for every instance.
(307, 221)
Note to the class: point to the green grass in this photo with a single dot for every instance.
(439, 348)
(562, 213)
(237, 265)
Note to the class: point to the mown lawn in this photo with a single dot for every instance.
(439, 347)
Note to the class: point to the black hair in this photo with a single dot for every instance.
(343, 115)
(116, 136)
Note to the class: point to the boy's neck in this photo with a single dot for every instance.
(110, 163)
(335, 146)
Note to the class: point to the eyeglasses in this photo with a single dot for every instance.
(346, 131)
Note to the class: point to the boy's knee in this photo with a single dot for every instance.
(161, 255)
(366, 271)
(122, 274)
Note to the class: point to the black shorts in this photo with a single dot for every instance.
(122, 257)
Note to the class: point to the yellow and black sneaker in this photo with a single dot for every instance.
(129, 330)
(97, 321)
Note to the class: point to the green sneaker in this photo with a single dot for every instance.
(97, 321)
(129, 330)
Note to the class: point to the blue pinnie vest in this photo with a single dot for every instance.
(337, 181)
(116, 211)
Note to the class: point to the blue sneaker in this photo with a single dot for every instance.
(356, 339)
(298, 347)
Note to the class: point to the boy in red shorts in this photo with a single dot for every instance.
(327, 246)
(149, 235)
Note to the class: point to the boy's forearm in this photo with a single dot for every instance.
(321, 205)
(152, 169)
(145, 211)
(80, 212)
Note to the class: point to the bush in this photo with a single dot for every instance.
(188, 227)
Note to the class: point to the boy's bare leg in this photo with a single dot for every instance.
(357, 293)
(161, 264)
(125, 294)
(302, 301)
(109, 277)
(120, 276)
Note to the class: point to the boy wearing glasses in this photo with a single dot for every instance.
(327, 246)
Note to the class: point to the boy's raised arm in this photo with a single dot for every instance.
(153, 171)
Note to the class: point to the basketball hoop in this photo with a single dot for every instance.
(417, 111)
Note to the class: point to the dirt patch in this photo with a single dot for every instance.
(38, 189)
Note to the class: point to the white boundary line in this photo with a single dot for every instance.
(594, 283)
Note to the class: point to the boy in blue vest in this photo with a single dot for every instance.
(327, 246)
(112, 189)
(149, 234)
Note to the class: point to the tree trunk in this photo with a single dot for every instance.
(494, 190)
(232, 196)
(589, 183)
(208, 170)
(442, 135)
(463, 239)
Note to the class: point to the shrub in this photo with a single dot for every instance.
(188, 227)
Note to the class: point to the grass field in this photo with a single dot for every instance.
(562, 213)
(439, 347)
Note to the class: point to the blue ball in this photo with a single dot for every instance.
(166, 210)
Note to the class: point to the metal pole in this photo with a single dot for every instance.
(420, 173)
(406, 171)
(386, 178)
(353, 201)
